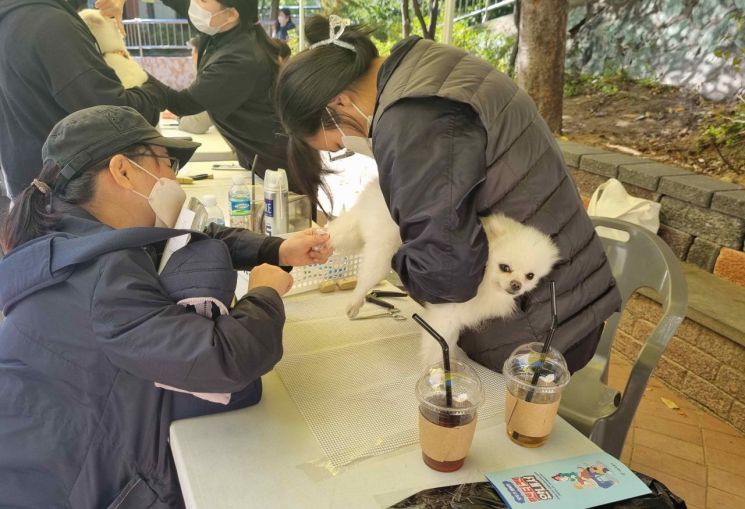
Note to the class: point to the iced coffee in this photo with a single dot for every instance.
(448, 405)
(534, 387)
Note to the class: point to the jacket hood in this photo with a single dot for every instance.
(50, 259)
(28, 269)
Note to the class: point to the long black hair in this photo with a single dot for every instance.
(249, 13)
(307, 83)
(33, 214)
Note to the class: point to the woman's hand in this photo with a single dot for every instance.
(305, 248)
(270, 276)
(112, 9)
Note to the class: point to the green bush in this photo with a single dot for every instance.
(726, 128)
(493, 47)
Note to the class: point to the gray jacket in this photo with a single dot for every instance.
(455, 139)
(81, 423)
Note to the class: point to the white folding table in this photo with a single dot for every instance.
(213, 148)
(266, 456)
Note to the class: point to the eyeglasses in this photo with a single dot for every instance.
(174, 163)
(341, 153)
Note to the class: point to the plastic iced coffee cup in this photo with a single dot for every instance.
(530, 410)
(446, 432)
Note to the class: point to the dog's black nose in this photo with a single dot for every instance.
(515, 285)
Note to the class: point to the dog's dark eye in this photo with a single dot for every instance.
(505, 268)
(529, 276)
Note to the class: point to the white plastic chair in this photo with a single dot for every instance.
(588, 403)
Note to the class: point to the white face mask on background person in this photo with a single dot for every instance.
(201, 18)
(166, 199)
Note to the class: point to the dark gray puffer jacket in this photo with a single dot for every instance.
(455, 139)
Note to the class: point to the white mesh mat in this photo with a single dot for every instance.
(353, 381)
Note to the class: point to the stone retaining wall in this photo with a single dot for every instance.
(702, 218)
(688, 43)
(700, 363)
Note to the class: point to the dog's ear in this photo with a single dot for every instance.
(92, 17)
(496, 225)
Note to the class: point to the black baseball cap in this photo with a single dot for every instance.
(92, 135)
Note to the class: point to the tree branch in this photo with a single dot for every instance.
(405, 19)
(420, 17)
(724, 159)
(434, 8)
(513, 55)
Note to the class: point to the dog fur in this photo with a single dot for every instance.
(111, 43)
(519, 256)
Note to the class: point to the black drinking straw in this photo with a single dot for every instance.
(544, 351)
(445, 356)
(547, 343)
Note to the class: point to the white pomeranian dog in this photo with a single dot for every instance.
(519, 256)
(111, 42)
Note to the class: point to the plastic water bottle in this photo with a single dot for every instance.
(240, 204)
(276, 204)
(214, 213)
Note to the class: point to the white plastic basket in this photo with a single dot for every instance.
(310, 277)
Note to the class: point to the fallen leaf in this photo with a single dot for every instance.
(672, 405)
(625, 150)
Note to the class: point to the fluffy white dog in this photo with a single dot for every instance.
(111, 42)
(519, 256)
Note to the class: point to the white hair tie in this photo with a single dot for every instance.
(42, 186)
(337, 26)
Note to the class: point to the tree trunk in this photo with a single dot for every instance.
(405, 18)
(541, 52)
(275, 10)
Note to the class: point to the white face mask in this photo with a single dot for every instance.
(166, 199)
(357, 144)
(201, 18)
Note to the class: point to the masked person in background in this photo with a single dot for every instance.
(81, 422)
(283, 24)
(454, 140)
(237, 65)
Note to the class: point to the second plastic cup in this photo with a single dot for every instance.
(530, 410)
(446, 432)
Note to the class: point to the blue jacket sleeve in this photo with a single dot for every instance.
(142, 331)
(247, 249)
(430, 155)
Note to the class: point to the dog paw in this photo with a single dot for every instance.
(353, 308)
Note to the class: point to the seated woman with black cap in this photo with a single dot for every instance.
(90, 326)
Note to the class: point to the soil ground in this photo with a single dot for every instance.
(662, 123)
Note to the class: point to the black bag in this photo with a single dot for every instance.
(481, 495)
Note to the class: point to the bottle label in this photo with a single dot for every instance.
(240, 206)
(269, 206)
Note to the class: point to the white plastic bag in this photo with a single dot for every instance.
(610, 199)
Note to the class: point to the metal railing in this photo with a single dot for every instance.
(466, 9)
(157, 35)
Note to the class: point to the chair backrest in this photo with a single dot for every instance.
(644, 261)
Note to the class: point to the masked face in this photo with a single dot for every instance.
(201, 19)
(354, 144)
(166, 199)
